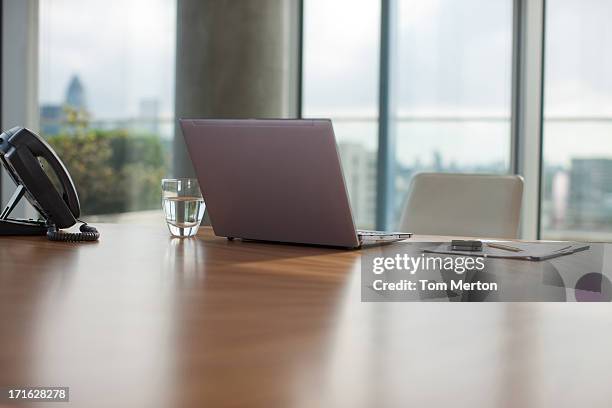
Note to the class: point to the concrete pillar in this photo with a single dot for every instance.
(19, 80)
(235, 59)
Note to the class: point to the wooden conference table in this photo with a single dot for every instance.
(144, 320)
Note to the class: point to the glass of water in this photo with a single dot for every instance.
(183, 205)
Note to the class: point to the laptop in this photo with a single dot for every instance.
(275, 180)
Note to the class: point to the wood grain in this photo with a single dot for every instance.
(144, 320)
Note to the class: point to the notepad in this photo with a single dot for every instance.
(529, 251)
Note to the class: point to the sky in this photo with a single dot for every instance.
(450, 58)
(453, 58)
(437, 70)
(123, 51)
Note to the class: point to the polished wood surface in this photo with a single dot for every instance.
(141, 319)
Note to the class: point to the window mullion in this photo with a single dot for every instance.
(528, 77)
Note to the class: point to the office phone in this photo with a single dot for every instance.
(43, 180)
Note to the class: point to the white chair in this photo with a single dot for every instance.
(468, 205)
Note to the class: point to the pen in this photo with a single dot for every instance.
(563, 249)
(504, 247)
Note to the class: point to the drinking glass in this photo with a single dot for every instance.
(183, 205)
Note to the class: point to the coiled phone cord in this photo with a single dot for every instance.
(88, 233)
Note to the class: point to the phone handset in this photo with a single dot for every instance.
(20, 153)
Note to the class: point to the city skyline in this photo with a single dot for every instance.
(53, 116)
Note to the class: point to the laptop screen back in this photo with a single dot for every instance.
(274, 180)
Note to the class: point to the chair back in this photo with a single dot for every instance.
(469, 205)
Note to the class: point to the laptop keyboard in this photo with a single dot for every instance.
(369, 233)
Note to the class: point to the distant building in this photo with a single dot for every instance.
(75, 94)
(359, 167)
(148, 115)
(53, 116)
(438, 163)
(51, 119)
(590, 193)
(403, 178)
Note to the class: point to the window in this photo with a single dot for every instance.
(576, 189)
(340, 81)
(106, 84)
(106, 89)
(451, 88)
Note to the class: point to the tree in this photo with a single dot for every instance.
(114, 171)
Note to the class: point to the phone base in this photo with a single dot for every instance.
(22, 227)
